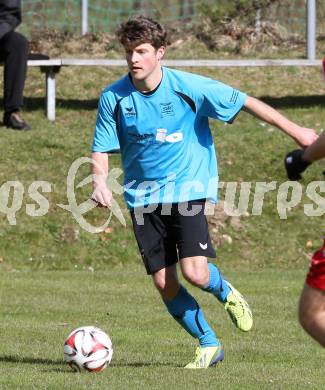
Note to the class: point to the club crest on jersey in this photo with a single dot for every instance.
(162, 136)
(166, 109)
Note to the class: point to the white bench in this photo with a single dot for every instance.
(52, 66)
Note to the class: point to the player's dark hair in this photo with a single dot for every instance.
(141, 29)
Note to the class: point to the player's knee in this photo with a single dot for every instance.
(159, 283)
(312, 323)
(305, 315)
(196, 277)
(305, 318)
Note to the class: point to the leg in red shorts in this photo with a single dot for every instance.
(312, 300)
(316, 275)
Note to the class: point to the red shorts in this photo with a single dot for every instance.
(316, 275)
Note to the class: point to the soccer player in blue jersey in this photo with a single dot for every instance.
(158, 119)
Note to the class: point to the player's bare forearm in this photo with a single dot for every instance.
(101, 194)
(99, 167)
(302, 135)
(315, 151)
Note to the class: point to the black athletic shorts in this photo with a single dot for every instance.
(163, 239)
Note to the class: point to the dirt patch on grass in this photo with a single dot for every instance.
(231, 37)
(65, 44)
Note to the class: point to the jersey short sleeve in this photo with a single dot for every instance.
(219, 101)
(105, 135)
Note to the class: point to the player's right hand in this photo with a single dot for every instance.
(305, 136)
(102, 195)
(295, 164)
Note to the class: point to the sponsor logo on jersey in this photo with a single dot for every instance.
(174, 137)
(141, 137)
(162, 136)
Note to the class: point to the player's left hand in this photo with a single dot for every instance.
(295, 164)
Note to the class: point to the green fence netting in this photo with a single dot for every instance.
(105, 15)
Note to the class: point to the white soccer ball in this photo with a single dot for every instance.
(88, 348)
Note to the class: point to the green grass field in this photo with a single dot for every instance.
(39, 310)
(55, 276)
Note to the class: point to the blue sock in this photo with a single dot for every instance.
(189, 315)
(217, 285)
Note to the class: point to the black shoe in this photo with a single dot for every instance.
(14, 121)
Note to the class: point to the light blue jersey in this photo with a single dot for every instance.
(167, 149)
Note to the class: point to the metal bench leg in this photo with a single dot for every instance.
(50, 94)
(50, 72)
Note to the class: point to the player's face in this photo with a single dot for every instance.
(143, 60)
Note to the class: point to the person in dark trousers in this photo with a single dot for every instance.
(14, 54)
